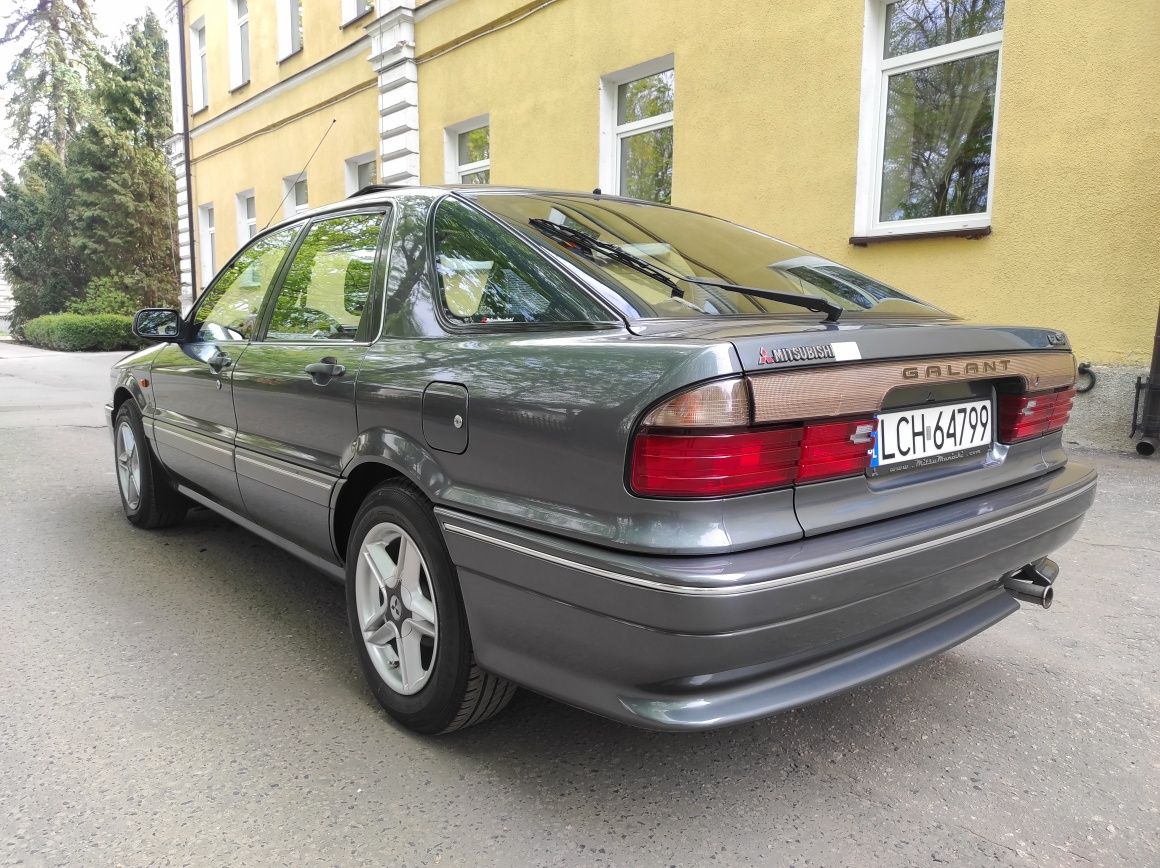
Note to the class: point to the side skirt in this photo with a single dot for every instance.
(333, 571)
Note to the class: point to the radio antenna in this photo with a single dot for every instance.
(298, 177)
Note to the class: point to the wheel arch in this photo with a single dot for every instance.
(362, 477)
(120, 396)
(379, 455)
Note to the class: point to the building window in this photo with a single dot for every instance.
(930, 94)
(289, 28)
(199, 80)
(296, 195)
(467, 152)
(636, 147)
(247, 207)
(360, 172)
(205, 222)
(239, 43)
(352, 10)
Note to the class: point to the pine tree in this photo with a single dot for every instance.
(133, 90)
(101, 215)
(123, 203)
(36, 248)
(48, 96)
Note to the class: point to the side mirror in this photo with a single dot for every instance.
(157, 324)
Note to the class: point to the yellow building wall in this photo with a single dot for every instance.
(766, 133)
(274, 136)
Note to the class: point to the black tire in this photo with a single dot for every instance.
(458, 693)
(159, 504)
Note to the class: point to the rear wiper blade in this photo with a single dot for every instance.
(669, 279)
(612, 251)
(832, 311)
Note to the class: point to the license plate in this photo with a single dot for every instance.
(926, 436)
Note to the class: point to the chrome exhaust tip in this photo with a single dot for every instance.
(1032, 583)
(1029, 592)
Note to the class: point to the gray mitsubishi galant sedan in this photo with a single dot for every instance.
(642, 460)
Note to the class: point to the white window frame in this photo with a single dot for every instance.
(239, 69)
(291, 208)
(612, 133)
(453, 170)
(199, 51)
(289, 28)
(245, 224)
(876, 70)
(207, 232)
(352, 10)
(351, 166)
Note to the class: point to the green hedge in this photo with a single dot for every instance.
(74, 332)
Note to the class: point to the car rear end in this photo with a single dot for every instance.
(897, 559)
(854, 497)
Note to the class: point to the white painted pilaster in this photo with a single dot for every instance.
(393, 57)
(175, 150)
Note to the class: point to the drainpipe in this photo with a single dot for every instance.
(185, 141)
(1147, 444)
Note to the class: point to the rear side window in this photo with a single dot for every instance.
(489, 276)
(328, 283)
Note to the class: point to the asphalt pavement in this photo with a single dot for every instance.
(189, 696)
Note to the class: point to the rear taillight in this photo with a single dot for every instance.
(714, 465)
(700, 444)
(1022, 417)
(833, 449)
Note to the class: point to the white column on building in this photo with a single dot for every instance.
(175, 149)
(393, 57)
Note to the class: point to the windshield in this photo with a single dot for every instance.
(696, 245)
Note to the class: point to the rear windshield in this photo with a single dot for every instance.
(696, 245)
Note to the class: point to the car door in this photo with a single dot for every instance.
(294, 388)
(192, 381)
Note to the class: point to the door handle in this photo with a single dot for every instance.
(324, 370)
(219, 361)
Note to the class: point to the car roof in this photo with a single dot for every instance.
(382, 193)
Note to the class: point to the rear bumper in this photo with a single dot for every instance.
(701, 642)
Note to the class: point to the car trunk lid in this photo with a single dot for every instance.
(860, 370)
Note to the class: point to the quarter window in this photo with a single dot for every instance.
(637, 146)
(489, 276)
(931, 89)
(229, 310)
(325, 291)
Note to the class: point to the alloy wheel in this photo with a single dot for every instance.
(128, 465)
(395, 602)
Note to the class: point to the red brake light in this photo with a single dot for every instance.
(713, 465)
(1022, 417)
(833, 449)
(695, 445)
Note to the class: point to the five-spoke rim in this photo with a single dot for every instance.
(128, 465)
(395, 604)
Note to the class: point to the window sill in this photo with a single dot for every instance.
(356, 19)
(973, 233)
(297, 51)
(237, 87)
(200, 110)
